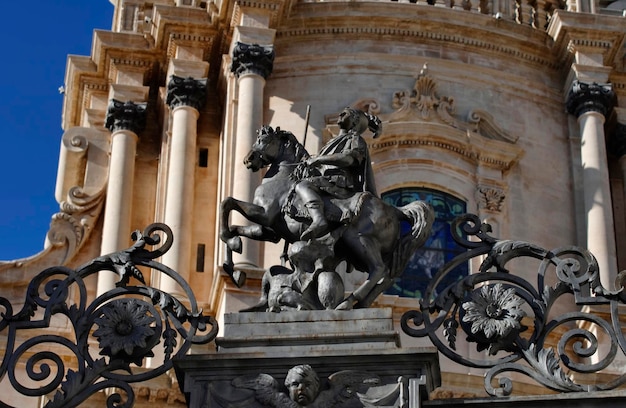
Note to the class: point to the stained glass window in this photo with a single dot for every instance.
(440, 247)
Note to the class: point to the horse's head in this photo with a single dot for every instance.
(273, 146)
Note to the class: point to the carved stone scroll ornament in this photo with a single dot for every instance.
(80, 188)
(513, 319)
(106, 338)
(71, 226)
(252, 59)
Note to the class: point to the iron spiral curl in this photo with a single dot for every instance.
(128, 323)
(514, 321)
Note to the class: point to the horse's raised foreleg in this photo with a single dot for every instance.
(257, 214)
(256, 232)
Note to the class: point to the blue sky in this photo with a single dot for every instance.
(37, 38)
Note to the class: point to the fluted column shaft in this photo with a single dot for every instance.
(185, 97)
(590, 103)
(252, 64)
(124, 120)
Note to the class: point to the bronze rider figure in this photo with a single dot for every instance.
(341, 169)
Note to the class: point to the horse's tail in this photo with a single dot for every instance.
(421, 217)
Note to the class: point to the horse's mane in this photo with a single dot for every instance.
(300, 151)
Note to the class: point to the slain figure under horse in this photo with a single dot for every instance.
(329, 199)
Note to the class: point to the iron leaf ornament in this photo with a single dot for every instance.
(128, 323)
(511, 321)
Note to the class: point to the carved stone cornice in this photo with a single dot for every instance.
(583, 98)
(490, 198)
(274, 9)
(252, 59)
(332, 19)
(202, 41)
(89, 77)
(126, 116)
(477, 149)
(186, 92)
(172, 26)
(587, 33)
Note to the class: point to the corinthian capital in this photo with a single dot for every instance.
(592, 97)
(126, 116)
(252, 59)
(186, 92)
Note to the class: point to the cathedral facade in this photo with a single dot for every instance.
(506, 109)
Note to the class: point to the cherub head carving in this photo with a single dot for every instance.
(303, 384)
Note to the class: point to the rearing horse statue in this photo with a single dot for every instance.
(371, 239)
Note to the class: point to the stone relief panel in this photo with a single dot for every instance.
(303, 387)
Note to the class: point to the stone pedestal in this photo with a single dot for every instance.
(355, 354)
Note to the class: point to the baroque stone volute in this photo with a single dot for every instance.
(126, 116)
(252, 59)
(584, 97)
(186, 92)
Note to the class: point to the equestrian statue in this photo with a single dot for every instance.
(326, 208)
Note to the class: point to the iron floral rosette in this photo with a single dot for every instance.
(128, 324)
(512, 322)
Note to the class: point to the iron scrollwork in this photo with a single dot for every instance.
(109, 337)
(512, 322)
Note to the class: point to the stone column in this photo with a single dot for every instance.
(185, 96)
(251, 64)
(124, 120)
(590, 103)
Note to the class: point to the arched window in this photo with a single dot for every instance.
(440, 247)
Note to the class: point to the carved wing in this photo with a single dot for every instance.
(344, 388)
(266, 390)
